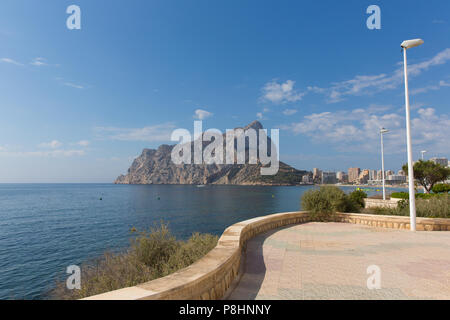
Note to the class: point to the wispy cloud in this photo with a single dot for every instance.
(73, 85)
(155, 133)
(83, 143)
(70, 84)
(358, 130)
(5, 152)
(52, 144)
(39, 62)
(259, 116)
(370, 84)
(435, 87)
(289, 112)
(357, 86)
(201, 114)
(11, 61)
(280, 93)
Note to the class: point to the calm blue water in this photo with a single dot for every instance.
(46, 227)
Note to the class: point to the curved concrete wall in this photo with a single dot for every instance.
(396, 222)
(211, 276)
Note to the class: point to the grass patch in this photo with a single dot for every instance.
(152, 254)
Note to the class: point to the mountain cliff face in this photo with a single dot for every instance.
(156, 167)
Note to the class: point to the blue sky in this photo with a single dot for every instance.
(79, 105)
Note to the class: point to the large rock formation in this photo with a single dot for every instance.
(156, 167)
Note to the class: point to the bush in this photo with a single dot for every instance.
(435, 207)
(405, 195)
(152, 255)
(400, 195)
(323, 202)
(424, 195)
(441, 188)
(357, 197)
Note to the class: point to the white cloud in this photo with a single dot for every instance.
(259, 116)
(357, 86)
(83, 143)
(11, 61)
(38, 62)
(438, 86)
(73, 85)
(358, 130)
(202, 114)
(160, 132)
(289, 112)
(371, 84)
(49, 153)
(281, 92)
(52, 144)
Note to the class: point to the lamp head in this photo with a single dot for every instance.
(383, 130)
(407, 44)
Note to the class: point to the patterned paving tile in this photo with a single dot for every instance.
(330, 261)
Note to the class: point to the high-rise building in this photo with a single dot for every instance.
(441, 161)
(328, 177)
(307, 178)
(395, 179)
(341, 176)
(364, 176)
(379, 175)
(317, 175)
(353, 174)
(372, 174)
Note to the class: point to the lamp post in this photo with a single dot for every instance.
(423, 152)
(412, 199)
(383, 130)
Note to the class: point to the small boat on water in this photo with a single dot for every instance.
(201, 185)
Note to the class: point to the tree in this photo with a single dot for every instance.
(428, 173)
(441, 188)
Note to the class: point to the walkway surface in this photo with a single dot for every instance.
(330, 261)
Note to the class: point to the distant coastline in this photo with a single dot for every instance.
(399, 186)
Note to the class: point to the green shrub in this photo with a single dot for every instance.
(152, 255)
(323, 202)
(424, 195)
(405, 195)
(437, 206)
(357, 197)
(400, 195)
(441, 188)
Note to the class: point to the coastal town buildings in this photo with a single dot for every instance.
(353, 174)
(441, 161)
(342, 177)
(356, 176)
(328, 177)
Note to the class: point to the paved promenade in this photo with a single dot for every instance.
(330, 261)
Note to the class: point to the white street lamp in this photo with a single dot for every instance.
(423, 152)
(412, 199)
(383, 130)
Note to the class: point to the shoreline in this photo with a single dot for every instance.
(369, 186)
